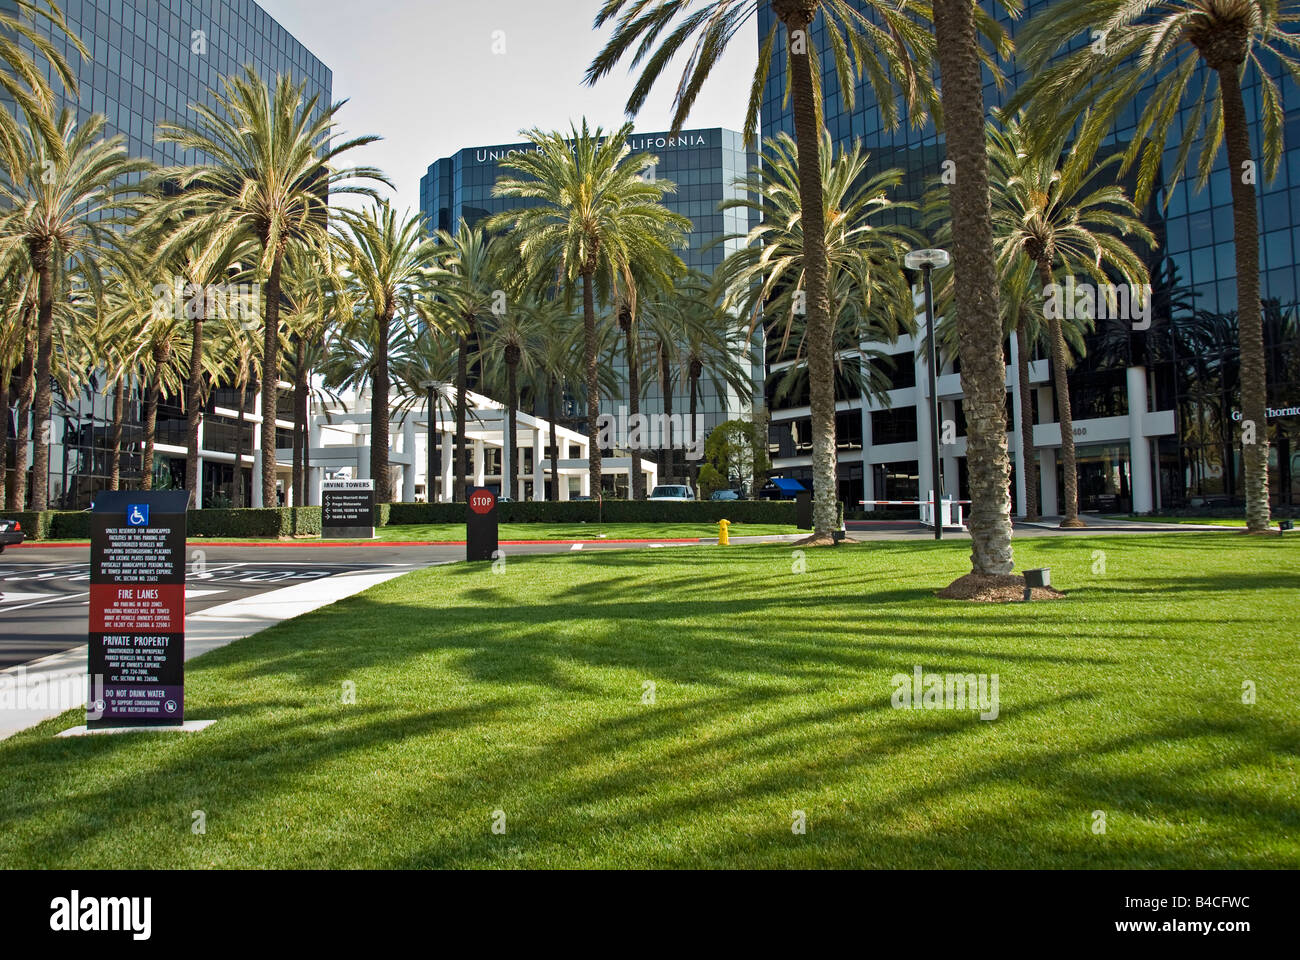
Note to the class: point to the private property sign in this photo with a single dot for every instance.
(136, 658)
(348, 509)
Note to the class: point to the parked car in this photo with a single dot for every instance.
(672, 491)
(725, 495)
(11, 534)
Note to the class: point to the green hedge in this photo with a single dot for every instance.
(36, 526)
(273, 523)
(612, 511)
(269, 522)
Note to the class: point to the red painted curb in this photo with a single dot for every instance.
(366, 543)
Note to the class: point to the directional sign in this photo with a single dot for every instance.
(348, 509)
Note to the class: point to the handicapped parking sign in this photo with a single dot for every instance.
(137, 515)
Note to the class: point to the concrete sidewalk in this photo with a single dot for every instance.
(62, 677)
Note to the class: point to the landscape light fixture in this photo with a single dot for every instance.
(926, 261)
(1283, 526)
(1038, 577)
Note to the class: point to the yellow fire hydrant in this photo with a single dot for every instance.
(724, 539)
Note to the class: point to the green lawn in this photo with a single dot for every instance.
(522, 692)
(582, 531)
(1200, 521)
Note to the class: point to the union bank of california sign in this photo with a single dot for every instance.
(635, 143)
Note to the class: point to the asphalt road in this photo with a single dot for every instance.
(44, 590)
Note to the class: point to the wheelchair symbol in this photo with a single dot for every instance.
(137, 515)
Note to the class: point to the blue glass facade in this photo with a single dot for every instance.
(702, 163)
(148, 61)
(1188, 357)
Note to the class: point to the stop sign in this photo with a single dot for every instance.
(482, 501)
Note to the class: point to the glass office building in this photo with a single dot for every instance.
(703, 164)
(148, 61)
(1156, 411)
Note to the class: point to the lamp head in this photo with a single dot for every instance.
(920, 259)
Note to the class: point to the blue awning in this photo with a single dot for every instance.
(787, 485)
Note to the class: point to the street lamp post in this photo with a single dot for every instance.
(926, 261)
(431, 434)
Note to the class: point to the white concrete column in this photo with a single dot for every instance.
(408, 449)
(923, 471)
(1047, 458)
(257, 474)
(509, 469)
(447, 450)
(480, 463)
(316, 474)
(539, 475)
(584, 483)
(1017, 440)
(1139, 446)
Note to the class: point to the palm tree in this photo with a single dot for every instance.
(765, 279)
(389, 259)
(60, 206)
(559, 365)
(467, 286)
(513, 342)
(711, 348)
(1236, 40)
(267, 175)
(26, 84)
(957, 24)
(312, 283)
(879, 38)
(422, 356)
(592, 217)
(1050, 213)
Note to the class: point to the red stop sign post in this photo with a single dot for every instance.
(480, 524)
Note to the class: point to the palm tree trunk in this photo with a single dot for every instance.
(119, 418)
(305, 414)
(555, 445)
(666, 441)
(379, 413)
(591, 370)
(17, 493)
(1064, 414)
(238, 498)
(270, 379)
(512, 428)
(40, 255)
(462, 384)
(979, 327)
(1250, 327)
(6, 373)
(1029, 462)
(193, 417)
(299, 393)
(693, 465)
(151, 419)
(636, 487)
(797, 18)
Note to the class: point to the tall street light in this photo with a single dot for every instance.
(926, 261)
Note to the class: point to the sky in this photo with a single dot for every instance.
(423, 74)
